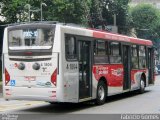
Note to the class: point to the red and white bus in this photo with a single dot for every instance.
(62, 63)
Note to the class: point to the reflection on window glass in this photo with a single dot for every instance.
(142, 57)
(31, 37)
(134, 51)
(100, 51)
(70, 43)
(115, 48)
(134, 56)
(115, 52)
(100, 45)
(141, 51)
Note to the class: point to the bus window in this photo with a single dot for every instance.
(100, 47)
(142, 57)
(31, 37)
(70, 43)
(115, 52)
(100, 51)
(134, 57)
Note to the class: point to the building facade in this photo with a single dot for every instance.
(156, 3)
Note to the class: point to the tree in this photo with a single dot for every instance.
(96, 12)
(102, 12)
(146, 21)
(57, 10)
(68, 11)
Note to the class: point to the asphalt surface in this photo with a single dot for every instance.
(115, 107)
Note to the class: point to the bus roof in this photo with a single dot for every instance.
(122, 38)
(113, 36)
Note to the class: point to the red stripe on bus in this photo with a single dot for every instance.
(111, 36)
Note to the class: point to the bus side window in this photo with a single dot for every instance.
(142, 57)
(115, 52)
(134, 57)
(100, 51)
(70, 47)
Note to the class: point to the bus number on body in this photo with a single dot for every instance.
(72, 66)
(46, 64)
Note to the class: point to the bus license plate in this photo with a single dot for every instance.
(30, 78)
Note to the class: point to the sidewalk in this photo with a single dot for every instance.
(0, 88)
(0, 91)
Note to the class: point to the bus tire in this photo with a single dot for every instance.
(142, 86)
(101, 93)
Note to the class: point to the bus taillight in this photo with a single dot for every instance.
(54, 77)
(7, 77)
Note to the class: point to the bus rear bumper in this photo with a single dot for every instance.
(37, 94)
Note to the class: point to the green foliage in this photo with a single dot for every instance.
(145, 16)
(146, 21)
(70, 11)
(120, 9)
(57, 10)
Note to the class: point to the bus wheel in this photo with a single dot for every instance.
(142, 85)
(101, 93)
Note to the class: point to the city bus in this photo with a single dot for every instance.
(56, 62)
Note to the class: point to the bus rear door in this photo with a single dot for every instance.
(127, 67)
(84, 57)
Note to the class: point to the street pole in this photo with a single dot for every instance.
(29, 7)
(42, 10)
(114, 20)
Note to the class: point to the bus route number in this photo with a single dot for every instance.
(72, 66)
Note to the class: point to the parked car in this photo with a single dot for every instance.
(158, 68)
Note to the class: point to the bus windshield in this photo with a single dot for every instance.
(31, 38)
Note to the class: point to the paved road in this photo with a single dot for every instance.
(149, 102)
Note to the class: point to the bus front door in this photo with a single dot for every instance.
(151, 65)
(127, 67)
(84, 57)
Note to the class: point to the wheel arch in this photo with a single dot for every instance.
(143, 76)
(104, 80)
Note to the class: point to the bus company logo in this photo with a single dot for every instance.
(117, 72)
(102, 70)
